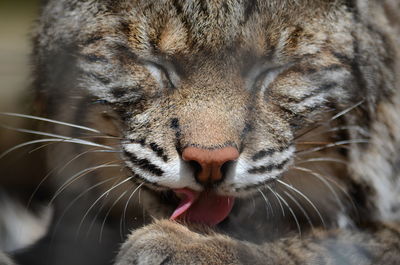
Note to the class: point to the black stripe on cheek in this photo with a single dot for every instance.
(159, 151)
(268, 168)
(144, 164)
(263, 153)
(137, 176)
(268, 152)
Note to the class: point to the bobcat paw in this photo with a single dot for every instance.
(167, 242)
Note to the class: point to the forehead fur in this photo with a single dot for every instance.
(183, 26)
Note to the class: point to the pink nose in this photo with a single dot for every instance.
(210, 162)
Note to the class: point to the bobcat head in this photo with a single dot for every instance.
(210, 96)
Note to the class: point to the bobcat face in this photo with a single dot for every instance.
(211, 95)
(208, 130)
(212, 104)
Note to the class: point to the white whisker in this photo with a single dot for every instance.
(72, 140)
(339, 143)
(84, 153)
(300, 207)
(108, 213)
(357, 128)
(49, 120)
(45, 145)
(280, 204)
(326, 178)
(57, 136)
(100, 209)
(322, 159)
(89, 136)
(126, 207)
(305, 197)
(324, 181)
(79, 175)
(35, 132)
(266, 201)
(75, 200)
(62, 168)
(98, 199)
(291, 211)
(343, 112)
(253, 203)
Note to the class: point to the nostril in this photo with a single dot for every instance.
(210, 166)
(225, 167)
(195, 166)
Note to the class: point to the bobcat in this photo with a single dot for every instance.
(224, 132)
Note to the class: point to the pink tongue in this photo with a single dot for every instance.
(205, 208)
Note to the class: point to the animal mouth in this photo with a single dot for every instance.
(204, 207)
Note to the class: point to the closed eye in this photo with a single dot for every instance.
(163, 77)
(262, 77)
(164, 73)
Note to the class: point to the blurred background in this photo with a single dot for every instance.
(22, 170)
(17, 20)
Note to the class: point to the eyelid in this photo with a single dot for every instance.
(155, 72)
(157, 68)
(266, 75)
(153, 64)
